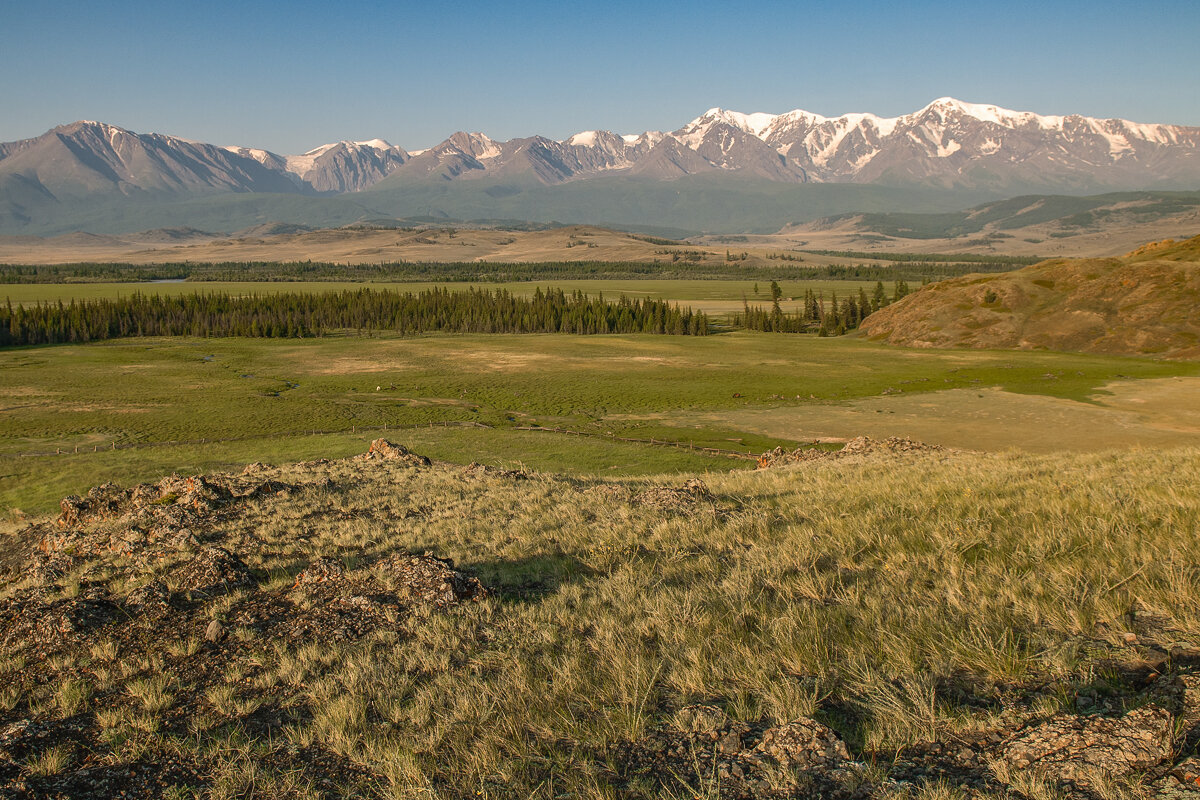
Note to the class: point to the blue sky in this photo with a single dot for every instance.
(288, 76)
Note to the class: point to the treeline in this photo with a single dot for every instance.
(362, 310)
(837, 317)
(488, 272)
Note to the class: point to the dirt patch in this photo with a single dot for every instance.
(989, 419)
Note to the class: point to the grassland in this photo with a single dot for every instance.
(928, 613)
(369, 246)
(930, 609)
(703, 392)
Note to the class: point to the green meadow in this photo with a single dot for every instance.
(122, 410)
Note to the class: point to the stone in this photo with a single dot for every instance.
(803, 743)
(1077, 748)
(214, 632)
(383, 450)
(214, 570)
(426, 578)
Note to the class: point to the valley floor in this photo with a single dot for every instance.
(128, 410)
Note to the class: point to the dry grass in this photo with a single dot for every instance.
(366, 247)
(854, 591)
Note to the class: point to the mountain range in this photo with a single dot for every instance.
(724, 170)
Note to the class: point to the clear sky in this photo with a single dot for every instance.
(288, 76)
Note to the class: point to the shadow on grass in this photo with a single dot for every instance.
(528, 578)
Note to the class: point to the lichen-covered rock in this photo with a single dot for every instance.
(690, 496)
(101, 502)
(153, 599)
(428, 579)
(1077, 748)
(706, 748)
(802, 743)
(45, 569)
(321, 571)
(701, 719)
(214, 570)
(860, 446)
(1182, 782)
(383, 450)
(477, 470)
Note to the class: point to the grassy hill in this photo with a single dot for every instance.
(1143, 303)
(917, 625)
(1042, 225)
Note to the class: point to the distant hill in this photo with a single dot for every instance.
(1144, 303)
(1046, 225)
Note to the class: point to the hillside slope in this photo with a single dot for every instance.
(879, 625)
(1146, 302)
(1045, 225)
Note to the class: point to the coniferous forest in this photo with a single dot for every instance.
(835, 318)
(362, 311)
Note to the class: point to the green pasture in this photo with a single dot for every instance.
(231, 401)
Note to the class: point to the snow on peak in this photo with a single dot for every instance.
(478, 145)
(756, 124)
(261, 156)
(378, 144)
(583, 139)
(319, 151)
(650, 138)
(994, 114)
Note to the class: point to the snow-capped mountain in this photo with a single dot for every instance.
(334, 168)
(954, 143)
(948, 144)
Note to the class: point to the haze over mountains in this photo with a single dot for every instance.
(723, 171)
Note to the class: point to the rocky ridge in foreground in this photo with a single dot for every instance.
(144, 627)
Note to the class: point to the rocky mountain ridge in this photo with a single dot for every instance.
(946, 143)
(948, 147)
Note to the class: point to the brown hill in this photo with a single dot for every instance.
(1146, 302)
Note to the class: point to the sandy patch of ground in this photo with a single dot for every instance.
(1147, 413)
(349, 365)
(25, 391)
(503, 361)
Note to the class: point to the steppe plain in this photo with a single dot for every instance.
(586, 590)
